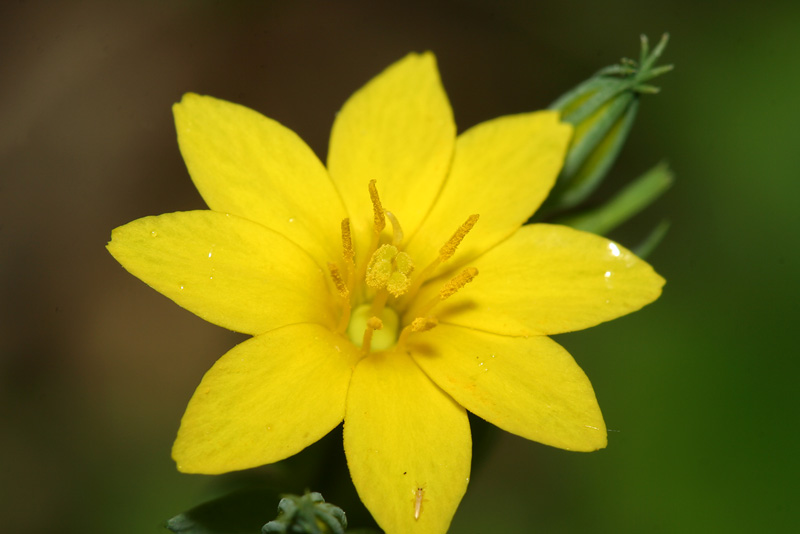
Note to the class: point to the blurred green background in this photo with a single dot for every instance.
(96, 368)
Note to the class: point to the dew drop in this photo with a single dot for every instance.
(153, 233)
(291, 219)
(181, 288)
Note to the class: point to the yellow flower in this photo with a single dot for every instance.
(397, 328)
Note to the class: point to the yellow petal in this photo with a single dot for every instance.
(399, 130)
(248, 165)
(502, 170)
(527, 386)
(405, 438)
(265, 400)
(548, 279)
(228, 270)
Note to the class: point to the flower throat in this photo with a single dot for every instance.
(389, 274)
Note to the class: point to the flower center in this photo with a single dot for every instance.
(382, 339)
(371, 290)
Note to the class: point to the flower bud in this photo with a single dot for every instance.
(602, 110)
(309, 514)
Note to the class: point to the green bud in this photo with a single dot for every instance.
(309, 514)
(602, 110)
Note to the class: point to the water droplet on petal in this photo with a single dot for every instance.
(154, 233)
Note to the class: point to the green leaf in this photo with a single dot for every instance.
(240, 512)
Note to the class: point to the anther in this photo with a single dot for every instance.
(377, 208)
(445, 253)
(423, 324)
(450, 288)
(341, 288)
(347, 242)
(349, 254)
(457, 282)
(449, 248)
(420, 324)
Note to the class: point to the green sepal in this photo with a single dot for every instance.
(632, 199)
(653, 239)
(599, 149)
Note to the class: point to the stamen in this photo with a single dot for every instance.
(344, 292)
(397, 231)
(377, 208)
(420, 324)
(347, 242)
(423, 324)
(337, 280)
(449, 248)
(445, 253)
(450, 288)
(460, 280)
(348, 253)
(373, 323)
